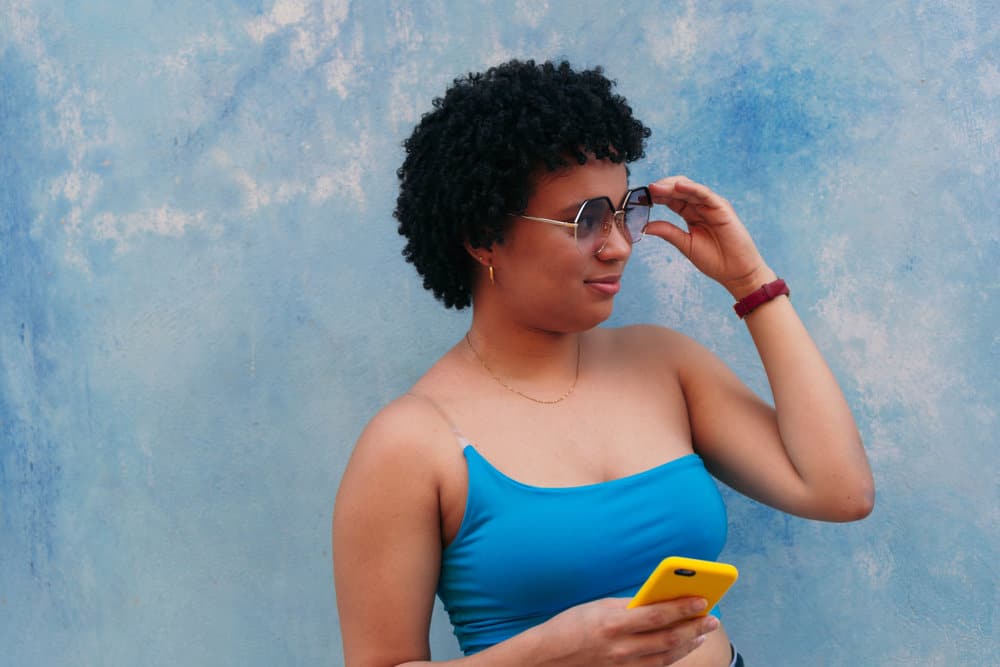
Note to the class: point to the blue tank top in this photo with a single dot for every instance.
(525, 553)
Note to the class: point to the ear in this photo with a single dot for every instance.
(482, 255)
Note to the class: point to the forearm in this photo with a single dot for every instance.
(815, 424)
(606, 632)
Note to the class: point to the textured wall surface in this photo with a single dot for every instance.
(202, 300)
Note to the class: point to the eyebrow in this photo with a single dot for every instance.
(571, 210)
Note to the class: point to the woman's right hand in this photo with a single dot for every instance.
(605, 632)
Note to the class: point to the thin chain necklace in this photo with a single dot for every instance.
(520, 393)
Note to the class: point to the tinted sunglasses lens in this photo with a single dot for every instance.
(595, 220)
(637, 209)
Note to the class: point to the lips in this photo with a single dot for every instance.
(608, 285)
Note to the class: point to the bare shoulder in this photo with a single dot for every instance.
(396, 467)
(407, 449)
(651, 343)
(401, 440)
(644, 332)
(388, 493)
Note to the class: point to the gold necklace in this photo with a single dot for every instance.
(520, 393)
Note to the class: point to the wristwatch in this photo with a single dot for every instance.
(766, 293)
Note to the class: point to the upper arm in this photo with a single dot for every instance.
(387, 541)
(736, 432)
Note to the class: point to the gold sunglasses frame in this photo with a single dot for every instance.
(617, 214)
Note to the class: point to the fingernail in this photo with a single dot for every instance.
(699, 605)
(699, 640)
(711, 623)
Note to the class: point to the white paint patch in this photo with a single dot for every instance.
(287, 12)
(342, 70)
(530, 12)
(256, 195)
(69, 131)
(63, 131)
(22, 23)
(80, 188)
(883, 444)
(253, 196)
(334, 14)
(313, 31)
(77, 186)
(304, 50)
(405, 32)
(989, 80)
(196, 48)
(497, 53)
(339, 74)
(984, 414)
(876, 563)
(346, 181)
(403, 109)
(324, 188)
(677, 286)
(162, 221)
(675, 42)
(283, 14)
(25, 31)
(287, 191)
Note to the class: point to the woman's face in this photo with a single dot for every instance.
(542, 278)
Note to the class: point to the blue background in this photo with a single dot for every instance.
(202, 300)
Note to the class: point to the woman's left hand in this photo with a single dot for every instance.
(717, 242)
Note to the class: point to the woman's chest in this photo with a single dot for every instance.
(603, 433)
(602, 441)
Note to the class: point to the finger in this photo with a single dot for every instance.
(678, 206)
(665, 189)
(692, 209)
(672, 234)
(673, 656)
(670, 181)
(678, 640)
(685, 189)
(660, 615)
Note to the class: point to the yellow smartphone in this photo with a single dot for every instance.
(678, 577)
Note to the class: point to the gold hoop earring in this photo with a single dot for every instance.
(491, 275)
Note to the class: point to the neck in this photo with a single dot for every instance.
(541, 363)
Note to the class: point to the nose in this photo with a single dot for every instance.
(617, 245)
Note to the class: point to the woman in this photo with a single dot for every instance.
(543, 466)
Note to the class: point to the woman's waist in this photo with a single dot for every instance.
(715, 652)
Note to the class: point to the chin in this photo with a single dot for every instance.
(593, 317)
(604, 309)
(574, 317)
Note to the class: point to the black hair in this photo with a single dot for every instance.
(471, 160)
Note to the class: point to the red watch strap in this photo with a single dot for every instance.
(756, 298)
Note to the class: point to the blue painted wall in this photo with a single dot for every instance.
(202, 300)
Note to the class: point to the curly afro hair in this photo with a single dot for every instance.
(470, 161)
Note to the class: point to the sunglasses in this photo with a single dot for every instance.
(593, 222)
